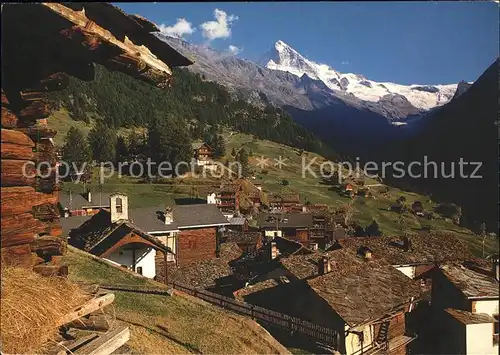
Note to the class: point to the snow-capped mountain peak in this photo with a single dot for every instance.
(282, 57)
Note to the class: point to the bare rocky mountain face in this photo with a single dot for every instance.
(286, 78)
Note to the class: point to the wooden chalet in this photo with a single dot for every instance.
(43, 44)
(226, 198)
(202, 153)
(309, 229)
(285, 202)
(367, 302)
(186, 233)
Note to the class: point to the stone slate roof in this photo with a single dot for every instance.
(237, 221)
(431, 247)
(286, 220)
(472, 283)
(69, 223)
(205, 273)
(360, 290)
(79, 201)
(242, 237)
(466, 317)
(151, 219)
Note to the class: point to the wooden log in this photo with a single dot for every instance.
(15, 137)
(48, 246)
(19, 255)
(68, 346)
(16, 151)
(9, 118)
(106, 343)
(17, 172)
(17, 239)
(33, 96)
(94, 322)
(87, 308)
(36, 110)
(17, 200)
(20, 229)
(51, 270)
(17, 180)
(21, 199)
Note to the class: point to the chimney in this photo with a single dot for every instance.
(325, 266)
(118, 207)
(407, 243)
(274, 251)
(365, 252)
(168, 215)
(89, 196)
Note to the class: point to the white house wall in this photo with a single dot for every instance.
(489, 307)
(270, 233)
(145, 258)
(480, 339)
(353, 344)
(211, 199)
(407, 270)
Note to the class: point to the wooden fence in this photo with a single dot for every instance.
(315, 332)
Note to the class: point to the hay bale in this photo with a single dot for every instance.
(31, 306)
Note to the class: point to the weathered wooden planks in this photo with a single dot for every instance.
(15, 137)
(106, 343)
(36, 110)
(89, 307)
(16, 151)
(48, 246)
(20, 199)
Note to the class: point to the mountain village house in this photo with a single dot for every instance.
(465, 301)
(367, 301)
(284, 202)
(226, 198)
(202, 153)
(309, 229)
(187, 232)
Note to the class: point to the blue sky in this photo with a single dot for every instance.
(407, 43)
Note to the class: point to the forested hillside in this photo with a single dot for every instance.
(192, 104)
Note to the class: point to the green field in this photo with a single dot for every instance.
(310, 188)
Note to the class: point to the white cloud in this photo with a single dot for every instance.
(220, 28)
(181, 28)
(234, 50)
(344, 62)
